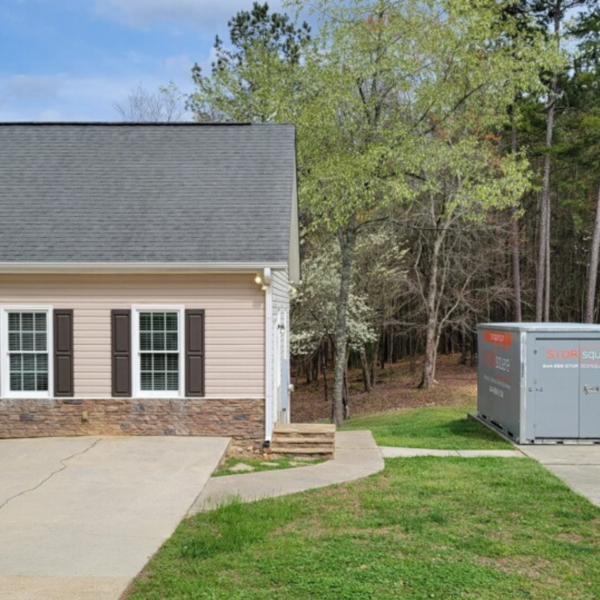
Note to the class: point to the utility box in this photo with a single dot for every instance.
(539, 383)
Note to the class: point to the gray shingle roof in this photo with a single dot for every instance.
(145, 193)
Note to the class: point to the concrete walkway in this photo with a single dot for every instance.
(356, 456)
(80, 517)
(393, 452)
(578, 466)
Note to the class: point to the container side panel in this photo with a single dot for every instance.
(499, 375)
(589, 389)
(528, 412)
(557, 388)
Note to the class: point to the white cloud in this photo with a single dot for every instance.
(32, 86)
(203, 13)
(51, 115)
(177, 67)
(63, 98)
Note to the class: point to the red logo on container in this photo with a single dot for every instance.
(497, 337)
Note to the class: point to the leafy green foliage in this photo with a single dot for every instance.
(249, 79)
(314, 308)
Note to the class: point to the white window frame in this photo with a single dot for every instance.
(4, 355)
(135, 348)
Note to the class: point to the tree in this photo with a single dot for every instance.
(143, 106)
(587, 70)
(264, 49)
(467, 183)
(516, 20)
(387, 118)
(389, 102)
(314, 308)
(551, 14)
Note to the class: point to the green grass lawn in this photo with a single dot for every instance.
(445, 528)
(263, 464)
(442, 428)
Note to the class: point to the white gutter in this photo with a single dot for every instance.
(136, 267)
(268, 355)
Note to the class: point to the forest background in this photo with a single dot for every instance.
(448, 166)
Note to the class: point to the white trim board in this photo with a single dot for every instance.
(138, 267)
(269, 422)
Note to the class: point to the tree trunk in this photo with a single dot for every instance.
(374, 365)
(325, 387)
(432, 334)
(542, 283)
(590, 292)
(547, 268)
(464, 349)
(515, 239)
(365, 369)
(430, 353)
(346, 393)
(347, 244)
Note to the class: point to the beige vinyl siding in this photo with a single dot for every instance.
(235, 329)
(281, 289)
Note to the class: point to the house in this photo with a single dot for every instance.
(145, 274)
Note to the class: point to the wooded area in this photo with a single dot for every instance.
(448, 161)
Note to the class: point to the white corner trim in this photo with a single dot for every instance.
(137, 267)
(294, 249)
(267, 276)
(4, 362)
(269, 424)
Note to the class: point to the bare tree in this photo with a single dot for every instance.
(165, 105)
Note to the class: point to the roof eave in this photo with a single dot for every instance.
(137, 267)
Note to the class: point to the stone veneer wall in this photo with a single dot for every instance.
(243, 420)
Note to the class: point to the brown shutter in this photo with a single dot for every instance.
(63, 352)
(121, 352)
(194, 352)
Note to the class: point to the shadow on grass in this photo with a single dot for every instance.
(469, 429)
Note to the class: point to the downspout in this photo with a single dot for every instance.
(268, 355)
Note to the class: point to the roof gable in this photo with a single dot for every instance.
(146, 193)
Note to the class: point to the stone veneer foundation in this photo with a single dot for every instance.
(243, 420)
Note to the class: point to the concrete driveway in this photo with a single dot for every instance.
(79, 517)
(577, 465)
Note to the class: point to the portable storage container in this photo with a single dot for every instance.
(540, 382)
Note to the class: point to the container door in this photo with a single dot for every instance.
(557, 388)
(589, 389)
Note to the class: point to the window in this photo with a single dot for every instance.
(26, 353)
(158, 360)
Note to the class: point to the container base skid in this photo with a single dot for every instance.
(495, 427)
(508, 436)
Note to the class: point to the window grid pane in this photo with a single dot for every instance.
(159, 351)
(27, 349)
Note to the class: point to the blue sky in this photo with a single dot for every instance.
(72, 60)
